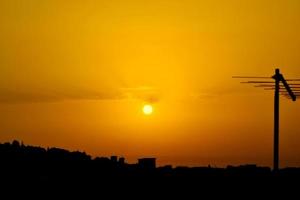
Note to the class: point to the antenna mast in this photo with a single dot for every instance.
(280, 87)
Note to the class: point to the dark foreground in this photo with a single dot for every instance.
(35, 171)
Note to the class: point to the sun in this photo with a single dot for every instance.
(147, 109)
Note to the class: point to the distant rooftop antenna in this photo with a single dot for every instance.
(281, 86)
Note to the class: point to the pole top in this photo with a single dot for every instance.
(277, 76)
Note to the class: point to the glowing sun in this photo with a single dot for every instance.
(147, 109)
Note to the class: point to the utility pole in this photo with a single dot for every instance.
(291, 92)
(277, 78)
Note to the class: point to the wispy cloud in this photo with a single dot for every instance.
(10, 96)
(147, 94)
(144, 93)
(213, 93)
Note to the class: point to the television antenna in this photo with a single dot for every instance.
(289, 88)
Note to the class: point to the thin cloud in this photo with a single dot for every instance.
(9, 96)
(142, 93)
(147, 94)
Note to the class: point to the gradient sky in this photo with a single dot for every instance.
(76, 73)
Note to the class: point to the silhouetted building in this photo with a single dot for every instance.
(15, 144)
(114, 159)
(147, 163)
(122, 161)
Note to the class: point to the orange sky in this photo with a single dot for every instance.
(76, 73)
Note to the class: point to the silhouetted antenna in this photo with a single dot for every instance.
(292, 79)
(281, 86)
(252, 77)
(294, 84)
(257, 82)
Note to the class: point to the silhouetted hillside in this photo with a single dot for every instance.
(23, 166)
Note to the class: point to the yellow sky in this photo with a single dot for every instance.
(76, 74)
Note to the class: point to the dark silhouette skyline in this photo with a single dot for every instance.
(19, 156)
(55, 171)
